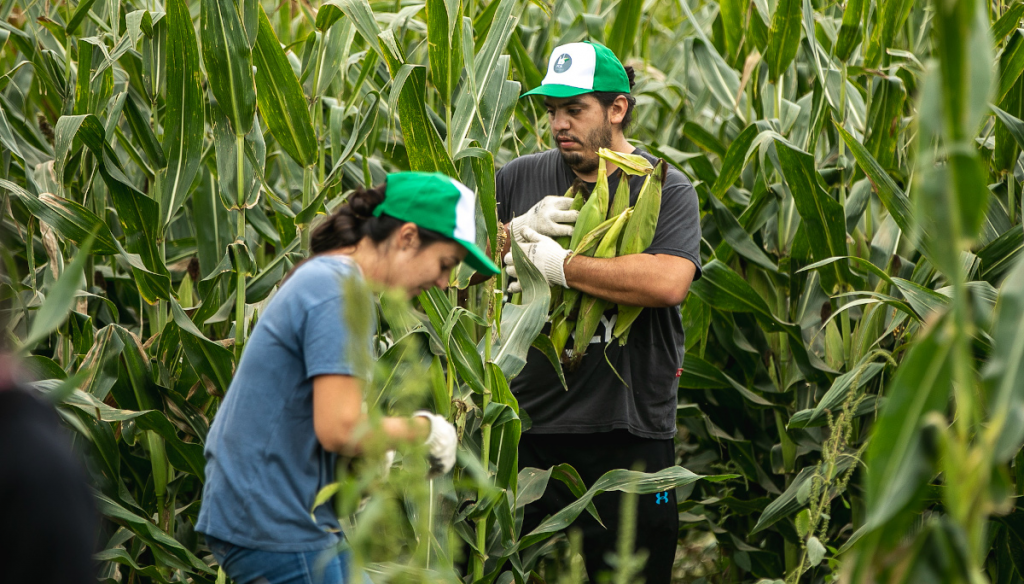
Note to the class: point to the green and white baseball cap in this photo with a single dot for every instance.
(578, 68)
(439, 203)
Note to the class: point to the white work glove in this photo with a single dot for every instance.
(551, 217)
(545, 253)
(442, 442)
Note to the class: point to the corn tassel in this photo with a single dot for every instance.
(637, 237)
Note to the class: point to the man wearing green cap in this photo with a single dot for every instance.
(601, 423)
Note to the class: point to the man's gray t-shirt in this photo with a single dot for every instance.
(264, 464)
(597, 401)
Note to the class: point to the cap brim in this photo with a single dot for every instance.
(553, 90)
(478, 260)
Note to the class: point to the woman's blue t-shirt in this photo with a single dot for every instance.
(264, 464)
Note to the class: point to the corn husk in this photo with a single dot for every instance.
(620, 202)
(594, 209)
(590, 241)
(634, 164)
(591, 308)
(637, 237)
(576, 192)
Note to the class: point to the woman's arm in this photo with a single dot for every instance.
(338, 413)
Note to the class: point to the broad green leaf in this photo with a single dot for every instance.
(734, 160)
(459, 347)
(226, 51)
(891, 14)
(68, 218)
(823, 218)
(616, 480)
(721, 80)
(444, 47)
(183, 116)
(850, 29)
(1011, 64)
(796, 496)
(521, 323)
(783, 37)
(737, 238)
(623, 28)
(884, 120)
(836, 395)
(1003, 374)
(896, 454)
(282, 103)
(162, 543)
(59, 298)
(1007, 23)
(423, 146)
(207, 357)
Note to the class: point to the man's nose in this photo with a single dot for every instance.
(442, 281)
(559, 122)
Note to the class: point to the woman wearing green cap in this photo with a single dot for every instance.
(296, 399)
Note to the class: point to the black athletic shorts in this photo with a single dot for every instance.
(592, 455)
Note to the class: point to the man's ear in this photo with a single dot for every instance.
(617, 110)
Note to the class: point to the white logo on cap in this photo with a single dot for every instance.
(563, 63)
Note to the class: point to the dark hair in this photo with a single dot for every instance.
(354, 220)
(607, 98)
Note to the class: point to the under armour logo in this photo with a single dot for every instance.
(660, 498)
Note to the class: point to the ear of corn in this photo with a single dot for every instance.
(595, 209)
(629, 163)
(591, 309)
(591, 240)
(637, 237)
(576, 192)
(621, 200)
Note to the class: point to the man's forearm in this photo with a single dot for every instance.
(648, 280)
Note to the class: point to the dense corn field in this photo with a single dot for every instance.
(852, 401)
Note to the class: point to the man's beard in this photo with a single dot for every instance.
(586, 161)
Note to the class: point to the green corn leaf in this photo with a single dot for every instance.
(896, 453)
(737, 237)
(1003, 375)
(281, 101)
(522, 323)
(823, 217)
(1011, 63)
(226, 51)
(1007, 23)
(783, 37)
(183, 116)
(444, 46)
(891, 14)
(59, 299)
(850, 29)
(623, 28)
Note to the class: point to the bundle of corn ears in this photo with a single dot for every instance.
(606, 228)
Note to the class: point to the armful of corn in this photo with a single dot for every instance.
(606, 227)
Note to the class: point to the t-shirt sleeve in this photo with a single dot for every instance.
(678, 231)
(329, 346)
(502, 188)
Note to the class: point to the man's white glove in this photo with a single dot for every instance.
(551, 217)
(442, 442)
(545, 253)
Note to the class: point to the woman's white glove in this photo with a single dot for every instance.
(551, 217)
(442, 442)
(545, 253)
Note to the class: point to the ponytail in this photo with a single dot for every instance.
(346, 226)
(354, 220)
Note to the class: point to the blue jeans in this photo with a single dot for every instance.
(251, 566)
